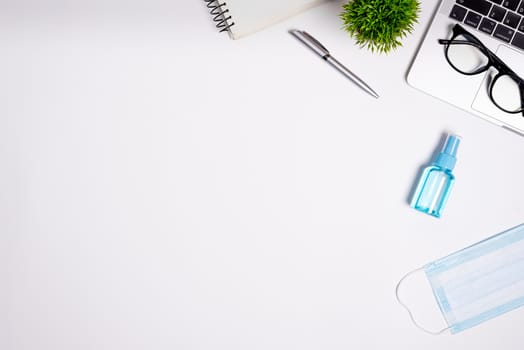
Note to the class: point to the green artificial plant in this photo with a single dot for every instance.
(380, 24)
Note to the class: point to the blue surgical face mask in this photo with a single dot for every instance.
(480, 282)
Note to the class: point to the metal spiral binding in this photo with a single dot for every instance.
(220, 12)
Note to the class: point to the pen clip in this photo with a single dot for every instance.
(310, 42)
(315, 42)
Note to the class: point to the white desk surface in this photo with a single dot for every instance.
(165, 187)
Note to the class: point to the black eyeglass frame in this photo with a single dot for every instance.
(493, 61)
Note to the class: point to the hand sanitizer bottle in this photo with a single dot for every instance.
(436, 181)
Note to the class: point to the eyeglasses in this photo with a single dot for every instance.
(467, 55)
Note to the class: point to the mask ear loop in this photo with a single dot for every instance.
(409, 311)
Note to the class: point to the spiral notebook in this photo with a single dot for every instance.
(243, 17)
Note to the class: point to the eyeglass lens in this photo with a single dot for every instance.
(466, 57)
(506, 94)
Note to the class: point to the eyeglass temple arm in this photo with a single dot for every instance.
(459, 42)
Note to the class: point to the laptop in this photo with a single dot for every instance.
(499, 25)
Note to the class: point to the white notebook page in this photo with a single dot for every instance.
(253, 15)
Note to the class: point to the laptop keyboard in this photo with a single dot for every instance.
(502, 19)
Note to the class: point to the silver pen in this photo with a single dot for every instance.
(320, 50)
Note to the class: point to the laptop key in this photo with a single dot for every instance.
(521, 8)
(487, 25)
(518, 41)
(512, 20)
(473, 19)
(480, 6)
(498, 2)
(458, 13)
(521, 25)
(503, 33)
(511, 4)
(497, 13)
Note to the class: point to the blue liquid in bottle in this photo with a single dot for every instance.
(437, 180)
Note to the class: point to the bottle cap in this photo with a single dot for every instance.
(447, 157)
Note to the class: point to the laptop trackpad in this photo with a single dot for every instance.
(482, 103)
